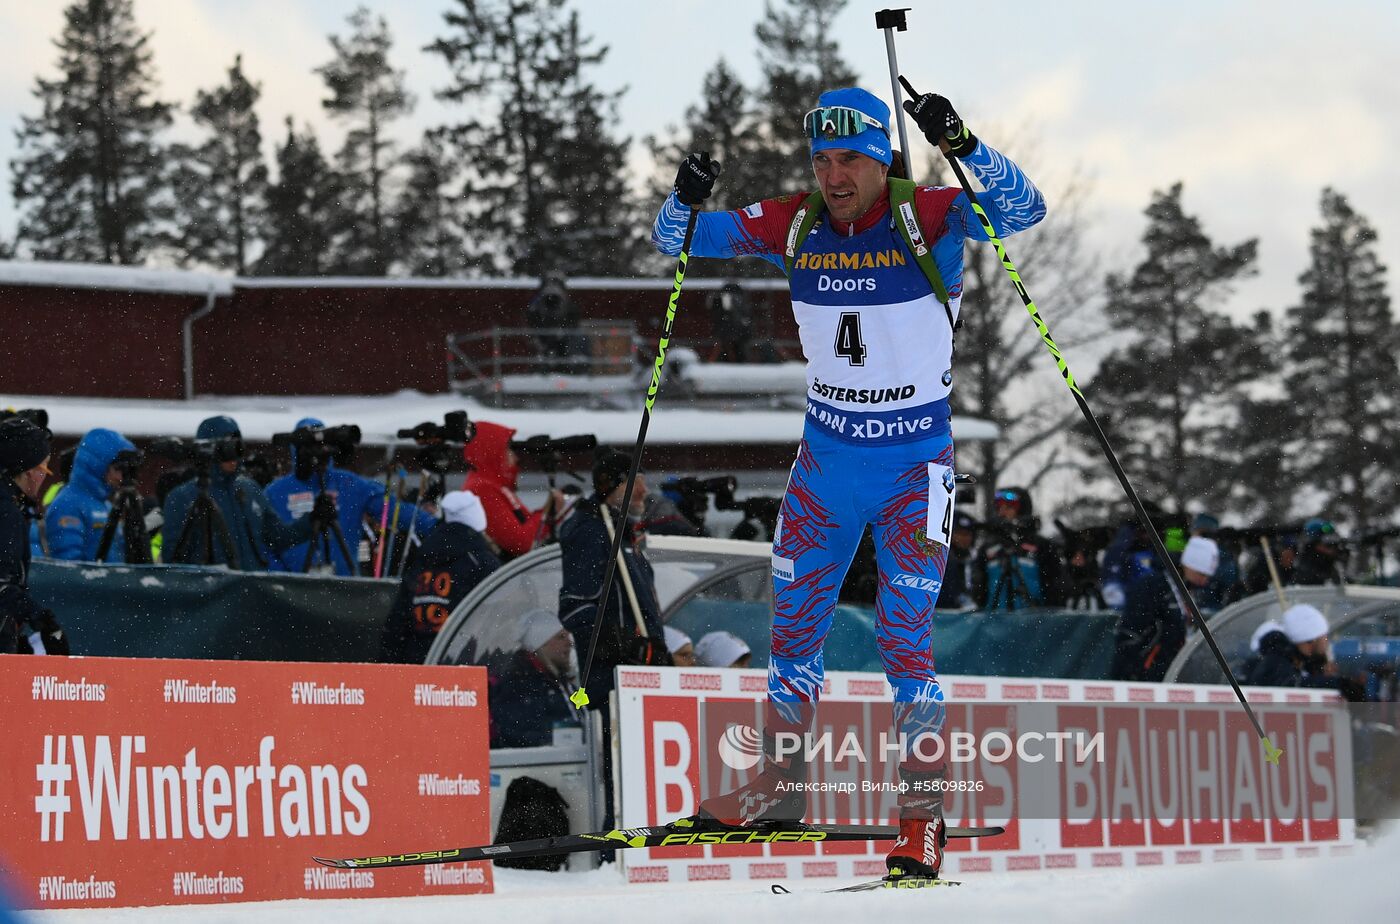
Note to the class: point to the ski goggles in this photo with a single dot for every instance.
(829, 122)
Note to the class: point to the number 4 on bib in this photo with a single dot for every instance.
(848, 341)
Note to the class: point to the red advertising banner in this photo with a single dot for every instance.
(150, 782)
(1081, 774)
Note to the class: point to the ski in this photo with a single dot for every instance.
(887, 882)
(685, 832)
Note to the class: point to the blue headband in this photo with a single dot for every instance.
(872, 142)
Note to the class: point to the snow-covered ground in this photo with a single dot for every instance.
(1345, 890)
(381, 416)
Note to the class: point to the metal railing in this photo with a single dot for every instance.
(590, 362)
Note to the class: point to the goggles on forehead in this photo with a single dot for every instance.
(828, 122)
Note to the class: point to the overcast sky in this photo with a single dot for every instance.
(1255, 106)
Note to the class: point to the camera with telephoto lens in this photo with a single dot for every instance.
(692, 496)
(128, 462)
(201, 453)
(315, 446)
(455, 428)
(548, 450)
(544, 446)
(440, 445)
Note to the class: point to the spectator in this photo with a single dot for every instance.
(253, 527)
(722, 649)
(731, 320)
(1127, 556)
(680, 647)
(62, 465)
(1221, 590)
(24, 457)
(1285, 549)
(1298, 655)
(529, 697)
(74, 522)
(957, 574)
(585, 542)
(1021, 567)
(354, 499)
(1152, 628)
(493, 478)
(453, 559)
(556, 318)
(1322, 556)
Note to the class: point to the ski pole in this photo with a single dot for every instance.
(394, 523)
(1273, 573)
(383, 523)
(580, 698)
(1271, 753)
(624, 574)
(890, 22)
(412, 536)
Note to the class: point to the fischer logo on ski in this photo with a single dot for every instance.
(741, 837)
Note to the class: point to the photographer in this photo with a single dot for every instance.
(628, 635)
(74, 522)
(1323, 554)
(731, 321)
(314, 479)
(24, 456)
(252, 527)
(1018, 567)
(494, 477)
(453, 559)
(552, 312)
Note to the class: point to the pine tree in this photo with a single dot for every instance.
(1002, 372)
(1166, 397)
(368, 94)
(723, 124)
(544, 171)
(301, 210)
(1341, 371)
(800, 59)
(221, 184)
(91, 178)
(428, 219)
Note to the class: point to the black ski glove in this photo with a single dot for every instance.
(938, 121)
(696, 178)
(51, 633)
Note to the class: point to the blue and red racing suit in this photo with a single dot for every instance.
(877, 447)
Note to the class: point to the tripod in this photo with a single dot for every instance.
(432, 486)
(323, 531)
(129, 515)
(204, 523)
(1010, 590)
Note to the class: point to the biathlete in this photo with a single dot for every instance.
(874, 266)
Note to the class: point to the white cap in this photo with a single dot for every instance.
(464, 507)
(1201, 554)
(675, 639)
(1265, 627)
(538, 627)
(1304, 623)
(719, 649)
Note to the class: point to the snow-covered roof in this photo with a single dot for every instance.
(114, 278)
(381, 416)
(194, 282)
(526, 283)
